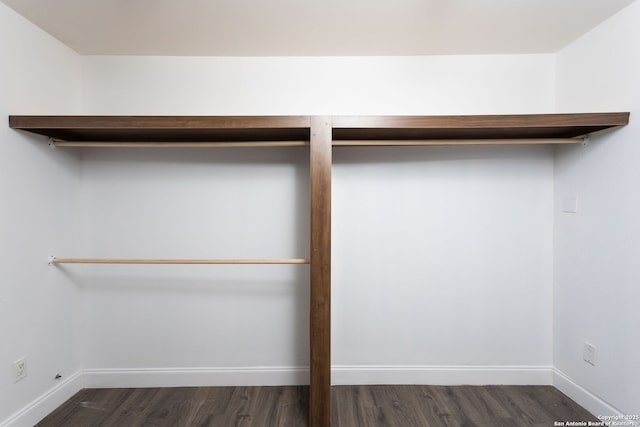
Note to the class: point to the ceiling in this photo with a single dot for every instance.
(315, 27)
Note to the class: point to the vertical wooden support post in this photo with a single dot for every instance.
(320, 307)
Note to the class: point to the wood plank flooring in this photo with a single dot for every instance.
(378, 405)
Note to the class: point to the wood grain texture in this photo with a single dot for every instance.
(159, 122)
(166, 128)
(320, 272)
(487, 121)
(474, 127)
(388, 405)
(230, 129)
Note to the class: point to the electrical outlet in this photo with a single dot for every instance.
(589, 355)
(19, 369)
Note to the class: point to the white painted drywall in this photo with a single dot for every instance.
(596, 250)
(482, 84)
(442, 256)
(39, 306)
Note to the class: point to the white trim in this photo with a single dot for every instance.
(44, 404)
(582, 396)
(196, 377)
(341, 374)
(441, 375)
(281, 375)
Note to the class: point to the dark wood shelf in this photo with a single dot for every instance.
(166, 128)
(522, 126)
(195, 129)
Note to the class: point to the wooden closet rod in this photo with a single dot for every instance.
(418, 142)
(177, 144)
(175, 261)
(302, 143)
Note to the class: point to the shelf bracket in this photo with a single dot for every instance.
(51, 261)
(585, 140)
(51, 143)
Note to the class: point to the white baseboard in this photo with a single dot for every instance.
(441, 375)
(287, 375)
(582, 396)
(341, 374)
(195, 377)
(44, 404)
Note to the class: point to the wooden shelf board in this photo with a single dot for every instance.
(192, 129)
(166, 128)
(474, 127)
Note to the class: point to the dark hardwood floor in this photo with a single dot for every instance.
(379, 405)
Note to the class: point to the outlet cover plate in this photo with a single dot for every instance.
(589, 355)
(19, 369)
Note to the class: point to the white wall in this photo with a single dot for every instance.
(195, 204)
(596, 250)
(38, 189)
(442, 256)
(483, 84)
